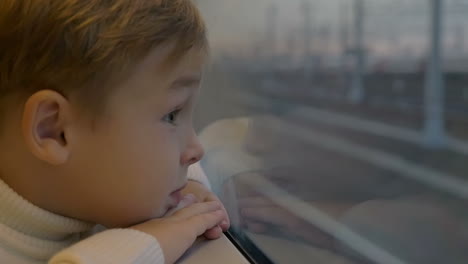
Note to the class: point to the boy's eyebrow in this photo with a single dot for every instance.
(186, 81)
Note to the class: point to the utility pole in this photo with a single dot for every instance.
(459, 44)
(306, 11)
(272, 29)
(343, 25)
(434, 125)
(357, 84)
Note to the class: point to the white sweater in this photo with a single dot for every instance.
(31, 235)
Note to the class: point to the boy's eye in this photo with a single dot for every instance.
(171, 118)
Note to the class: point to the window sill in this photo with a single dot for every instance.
(216, 251)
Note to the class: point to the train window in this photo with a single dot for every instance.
(336, 131)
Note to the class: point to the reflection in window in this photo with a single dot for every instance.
(337, 131)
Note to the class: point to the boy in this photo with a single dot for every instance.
(96, 104)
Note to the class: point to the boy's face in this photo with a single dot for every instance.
(127, 168)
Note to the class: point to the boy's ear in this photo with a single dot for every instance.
(44, 126)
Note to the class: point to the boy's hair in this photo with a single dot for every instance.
(81, 46)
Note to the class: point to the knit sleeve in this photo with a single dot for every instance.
(196, 173)
(114, 246)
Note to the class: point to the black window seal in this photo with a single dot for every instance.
(247, 247)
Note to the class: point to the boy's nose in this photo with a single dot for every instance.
(193, 153)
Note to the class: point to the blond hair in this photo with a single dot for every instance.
(81, 45)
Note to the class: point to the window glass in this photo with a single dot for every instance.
(336, 131)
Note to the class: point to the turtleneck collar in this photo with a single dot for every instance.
(32, 231)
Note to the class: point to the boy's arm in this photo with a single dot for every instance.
(158, 241)
(113, 246)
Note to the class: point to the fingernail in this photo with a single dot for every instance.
(186, 201)
(189, 197)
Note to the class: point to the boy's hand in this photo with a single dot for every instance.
(177, 232)
(203, 194)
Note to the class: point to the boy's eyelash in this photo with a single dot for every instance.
(171, 118)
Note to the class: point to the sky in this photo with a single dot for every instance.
(391, 26)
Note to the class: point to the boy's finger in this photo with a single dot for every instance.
(205, 221)
(226, 223)
(213, 233)
(197, 209)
